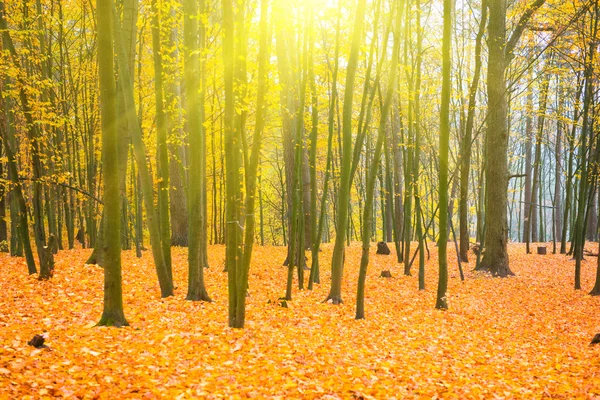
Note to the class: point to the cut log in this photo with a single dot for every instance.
(541, 250)
(385, 274)
(382, 248)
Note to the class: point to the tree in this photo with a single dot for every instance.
(467, 139)
(112, 314)
(536, 185)
(162, 161)
(585, 152)
(252, 169)
(194, 89)
(441, 302)
(333, 100)
(337, 261)
(146, 179)
(374, 166)
(500, 53)
(233, 204)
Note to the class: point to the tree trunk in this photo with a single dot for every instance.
(535, 206)
(166, 285)
(467, 141)
(441, 302)
(374, 167)
(579, 237)
(232, 142)
(177, 176)
(495, 256)
(252, 168)
(569, 181)
(129, 28)
(194, 45)
(112, 314)
(337, 261)
(527, 224)
(557, 211)
(162, 158)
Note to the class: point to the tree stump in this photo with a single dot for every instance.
(541, 250)
(382, 248)
(81, 237)
(385, 274)
(47, 259)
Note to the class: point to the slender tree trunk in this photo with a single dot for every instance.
(579, 237)
(374, 167)
(468, 138)
(193, 39)
(3, 193)
(417, 152)
(162, 161)
(441, 302)
(569, 182)
(112, 314)
(315, 240)
(397, 129)
(252, 169)
(285, 49)
(337, 261)
(528, 170)
(232, 142)
(166, 285)
(536, 185)
(314, 270)
(409, 158)
(128, 29)
(177, 177)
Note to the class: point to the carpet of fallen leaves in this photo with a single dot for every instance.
(520, 337)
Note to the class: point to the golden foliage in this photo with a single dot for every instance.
(520, 337)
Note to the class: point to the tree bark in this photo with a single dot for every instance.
(166, 285)
(337, 261)
(194, 90)
(162, 158)
(495, 256)
(441, 302)
(112, 314)
(374, 167)
(465, 165)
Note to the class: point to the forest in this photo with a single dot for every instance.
(299, 198)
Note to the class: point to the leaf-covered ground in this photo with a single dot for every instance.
(521, 337)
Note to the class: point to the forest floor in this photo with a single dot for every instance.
(521, 337)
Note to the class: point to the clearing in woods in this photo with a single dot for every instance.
(519, 337)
